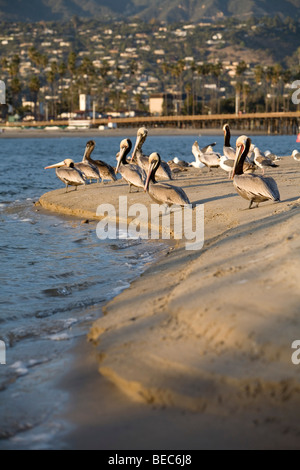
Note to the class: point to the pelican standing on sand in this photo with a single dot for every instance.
(106, 171)
(164, 172)
(252, 187)
(90, 171)
(228, 151)
(67, 172)
(133, 174)
(163, 193)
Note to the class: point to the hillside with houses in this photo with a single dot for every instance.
(201, 67)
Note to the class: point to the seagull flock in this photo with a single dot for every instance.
(144, 171)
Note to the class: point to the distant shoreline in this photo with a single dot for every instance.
(12, 133)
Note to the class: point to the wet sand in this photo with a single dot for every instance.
(197, 352)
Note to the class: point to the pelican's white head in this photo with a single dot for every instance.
(67, 162)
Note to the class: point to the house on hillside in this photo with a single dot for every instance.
(165, 103)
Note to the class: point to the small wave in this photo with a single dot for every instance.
(59, 337)
(20, 369)
(67, 290)
(119, 289)
(23, 333)
(71, 307)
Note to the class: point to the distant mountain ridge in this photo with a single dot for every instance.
(164, 10)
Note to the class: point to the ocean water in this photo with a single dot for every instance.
(56, 275)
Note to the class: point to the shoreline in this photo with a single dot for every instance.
(205, 333)
(15, 133)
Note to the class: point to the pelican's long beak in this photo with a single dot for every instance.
(57, 165)
(85, 153)
(151, 167)
(119, 158)
(138, 141)
(239, 150)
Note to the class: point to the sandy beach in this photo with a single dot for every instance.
(197, 352)
(17, 133)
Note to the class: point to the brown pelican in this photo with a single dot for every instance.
(228, 151)
(262, 161)
(164, 171)
(67, 172)
(252, 187)
(296, 155)
(86, 167)
(209, 159)
(163, 193)
(106, 171)
(133, 174)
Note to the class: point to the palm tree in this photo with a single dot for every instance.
(62, 71)
(286, 78)
(105, 68)
(238, 88)
(34, 56)
(245, 91)
(203, 71)
(165, 69)
(16, 87)
(193, 70)
(216, 71)
(239, 70)
(14, 66)
(34, 87)
(258, 74)
(51, 79)
(139, 101)
(276, 78)
(179, 73)
(87, 71)
(188, 90)
(72, 71)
